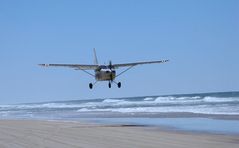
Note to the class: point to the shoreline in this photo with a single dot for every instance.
(194, 124)
(42, 133)
(180, 124)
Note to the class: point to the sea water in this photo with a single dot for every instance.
(199, 111)
(216, 126)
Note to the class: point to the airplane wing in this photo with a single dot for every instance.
(75, 66)
(137, 63)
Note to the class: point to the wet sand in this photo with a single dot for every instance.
(60, 134)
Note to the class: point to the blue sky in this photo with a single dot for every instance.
(201, 38)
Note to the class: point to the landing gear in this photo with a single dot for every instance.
(90, 85)
(119, 84)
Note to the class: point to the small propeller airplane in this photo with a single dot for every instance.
(103, 72)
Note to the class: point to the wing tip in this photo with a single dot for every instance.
(43, 65)
(164, 61)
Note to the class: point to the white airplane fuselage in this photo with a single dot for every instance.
(105, 75)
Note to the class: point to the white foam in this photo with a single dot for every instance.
(216, 99)
(119, 103)
(4, 113)
(46, 105)
(111, 101)
(190, 109)
(116, 103)
(164, 99)
(171, 99)
(148, 99)
(194, 104)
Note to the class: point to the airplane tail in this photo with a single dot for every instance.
(95, 58)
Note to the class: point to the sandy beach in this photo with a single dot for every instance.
(49, 134)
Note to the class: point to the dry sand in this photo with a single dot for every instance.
(57, 134)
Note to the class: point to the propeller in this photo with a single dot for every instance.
(110, 65)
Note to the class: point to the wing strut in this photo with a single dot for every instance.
(86, 72)
(125, 71)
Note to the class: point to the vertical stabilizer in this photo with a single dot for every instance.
(95, 58)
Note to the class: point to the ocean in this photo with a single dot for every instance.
(147, 110)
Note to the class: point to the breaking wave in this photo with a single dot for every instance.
(225, 104)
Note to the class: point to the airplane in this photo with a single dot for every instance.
(103, 72)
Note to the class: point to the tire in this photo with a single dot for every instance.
(119, 85)
(90, 85)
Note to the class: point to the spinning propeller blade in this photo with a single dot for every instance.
(110, 65)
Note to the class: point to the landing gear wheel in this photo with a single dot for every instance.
(109, 85)
(119, 84)
(90, 85)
